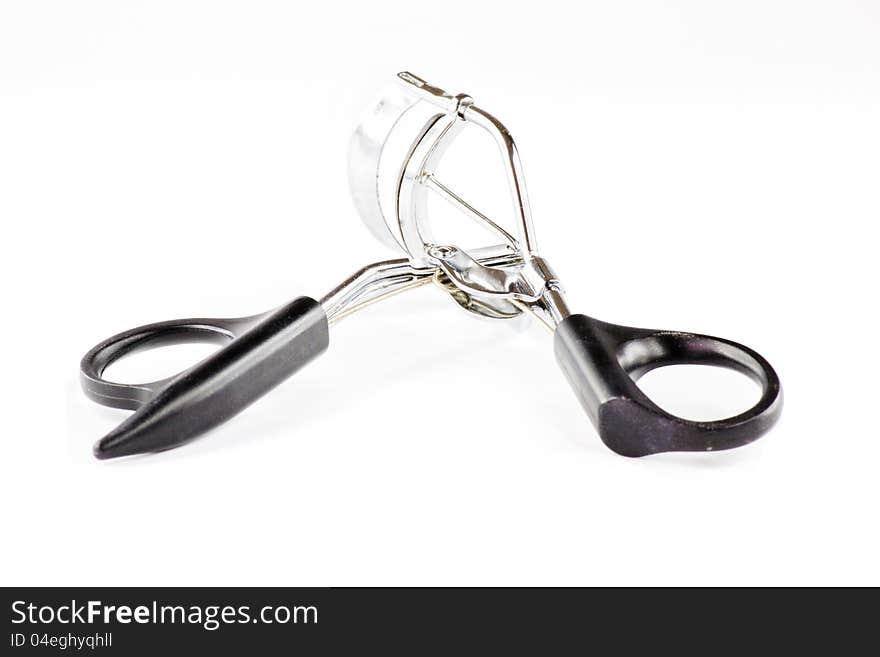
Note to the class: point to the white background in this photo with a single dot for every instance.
(702, 166)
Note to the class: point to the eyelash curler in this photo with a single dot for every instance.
(601, 361)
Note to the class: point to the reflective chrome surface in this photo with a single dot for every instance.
(498, 281)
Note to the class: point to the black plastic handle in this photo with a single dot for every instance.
(602, 362)
(261, 352)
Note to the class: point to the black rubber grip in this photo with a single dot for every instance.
(272, 348)
(602, 362)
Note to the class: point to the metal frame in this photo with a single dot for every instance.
(499, 281)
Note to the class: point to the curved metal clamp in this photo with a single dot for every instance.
(491, 291)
